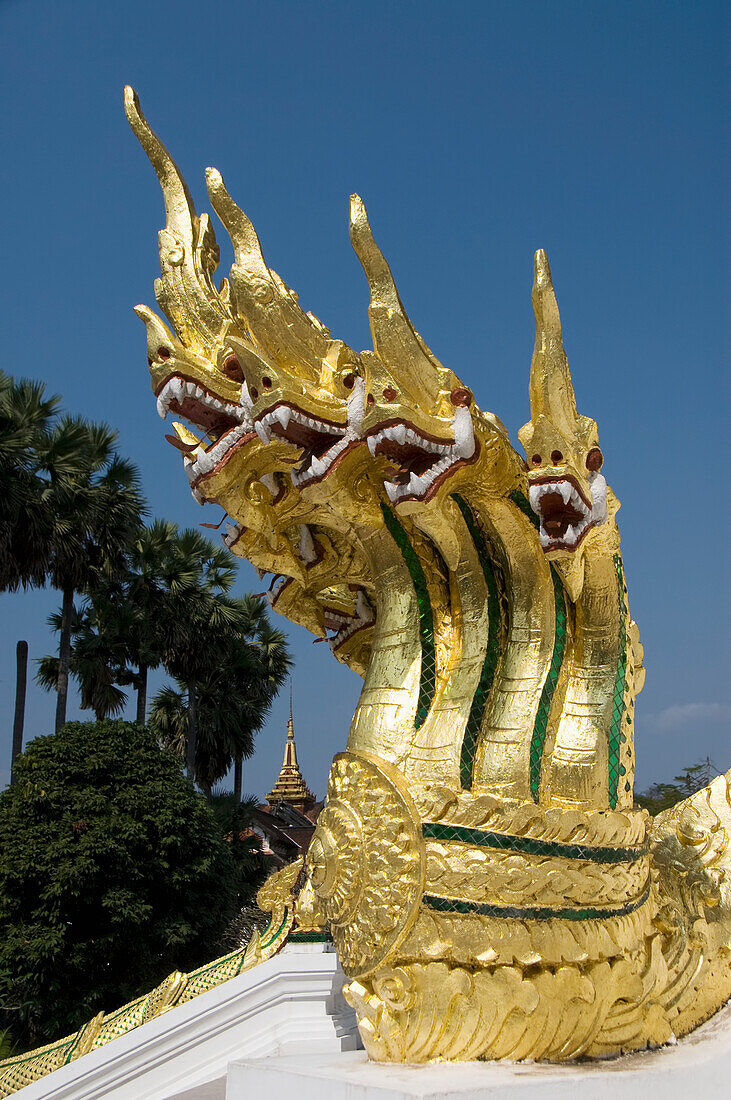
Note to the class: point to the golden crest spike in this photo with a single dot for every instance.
(189, 253)
(551, 389)
(179, 209)
(285, 332)
(247, 248)
(395, 339)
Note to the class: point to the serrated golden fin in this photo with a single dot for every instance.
(395, 340)
(189, 254)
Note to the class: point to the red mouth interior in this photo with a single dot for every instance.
(213, 421)
(557, 517)
(407, 457)
(314, 443)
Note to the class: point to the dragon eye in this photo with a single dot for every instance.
(536, 460)
(348, 380)
(164, 353)
(461, 398)
(594, 460)
(266, 382)
(556, 457)
(389, 394)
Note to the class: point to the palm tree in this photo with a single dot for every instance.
(97, 515)
(98, 655)
(272, 666)
(39, 454)
(204, 613)
(237, 674)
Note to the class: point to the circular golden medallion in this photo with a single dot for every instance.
(365, 861)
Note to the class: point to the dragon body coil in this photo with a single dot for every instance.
(491, 888)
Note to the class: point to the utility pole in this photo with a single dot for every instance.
(21, 652)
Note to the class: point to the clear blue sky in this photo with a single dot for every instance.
(476, 132)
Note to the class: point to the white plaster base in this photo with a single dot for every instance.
(698, 1066)
(290, 1005)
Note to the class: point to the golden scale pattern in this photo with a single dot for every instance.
(491, 888)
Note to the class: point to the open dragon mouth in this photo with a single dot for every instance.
(323, 442)
(344, 625)
(565, 513)
(226, 424)
(276, 587)
(423, 463)
(193, 402)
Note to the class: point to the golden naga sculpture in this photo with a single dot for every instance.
(491, 888)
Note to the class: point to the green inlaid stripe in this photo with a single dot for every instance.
(309, 937)
(456, 905)
(615, 728)
(492, 653)
(428, 679)
(529, 845)
(273, 937)
(538, 740)
(524, 504)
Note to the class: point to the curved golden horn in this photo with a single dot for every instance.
(292, 338)
(188, 250)
(551, 390)
(395, 340)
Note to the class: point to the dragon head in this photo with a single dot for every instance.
(195, 373)
(567, 491)
(419, 416)
(306, 388)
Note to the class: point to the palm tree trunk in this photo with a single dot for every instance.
(141, 695)
(64, 657)
(192, 732)
(21, 652)
(238, 777)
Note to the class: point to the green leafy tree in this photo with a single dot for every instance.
(113, 873)
(97, 518)
(40, 455)
(661, 796)
(97, 659)
(235, 680)
(234, 819)
(205, 615)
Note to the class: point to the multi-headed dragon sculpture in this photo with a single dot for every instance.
(491, 888)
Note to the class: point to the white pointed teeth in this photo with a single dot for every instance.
(445, 454)
(270, 482)
(307, 548)
(233, 530)
(319, 467)
(572, 498)
(282, 414)
(200, 462)
(276, 588)
(598, 497)
(356, 408)
(464, 435)
(177, 389)
(348, 625)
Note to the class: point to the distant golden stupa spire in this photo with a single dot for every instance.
(290, 786)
